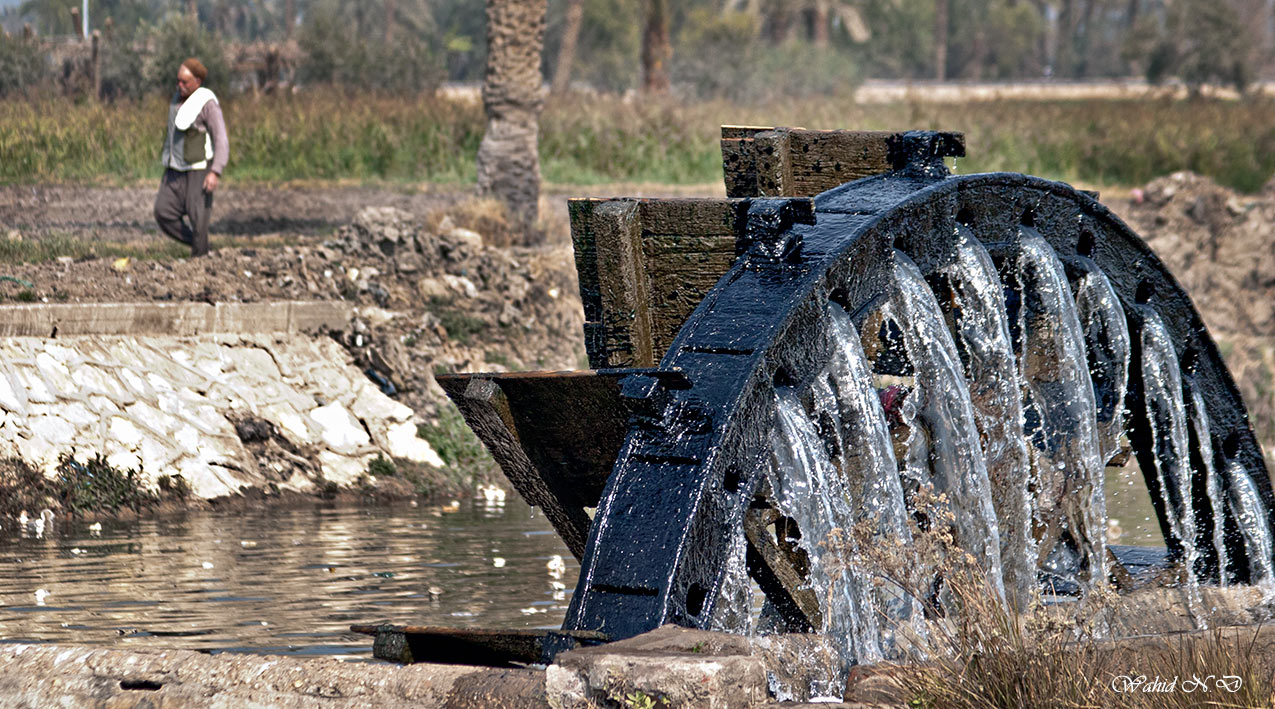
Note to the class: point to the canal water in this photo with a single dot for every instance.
(282, 581)
(292, 581)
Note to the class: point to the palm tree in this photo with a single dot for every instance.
(508, 163)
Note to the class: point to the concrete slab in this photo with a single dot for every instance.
(177, 319)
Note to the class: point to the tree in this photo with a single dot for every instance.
(508, 162)
(1203, 42)
(656, 49)
(567, 50)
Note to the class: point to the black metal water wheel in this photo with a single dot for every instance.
(689, 474)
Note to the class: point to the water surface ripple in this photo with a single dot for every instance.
(283, 580)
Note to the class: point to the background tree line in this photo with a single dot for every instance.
(735, 49)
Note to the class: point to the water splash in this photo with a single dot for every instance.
(970, 290)
(1250, 514)
(869, 467)
(809, 489)
(1060, 413)
(1198, 421)
(1161, 382)
(1107, 345)
(943, 446)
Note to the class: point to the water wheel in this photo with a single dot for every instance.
(811, 366)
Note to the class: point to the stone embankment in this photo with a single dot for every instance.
(253, 402)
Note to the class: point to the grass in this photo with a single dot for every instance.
(329, 135)
(55, 246)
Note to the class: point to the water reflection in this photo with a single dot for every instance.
(282, 581)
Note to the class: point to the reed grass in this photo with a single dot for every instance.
(332, 135)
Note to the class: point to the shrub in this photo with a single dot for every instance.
(177, 38)
(23, 65)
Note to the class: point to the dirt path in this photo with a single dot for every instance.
(124, 213)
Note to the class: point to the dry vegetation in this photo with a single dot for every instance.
(977, 653)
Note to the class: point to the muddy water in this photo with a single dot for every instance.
(281, 581)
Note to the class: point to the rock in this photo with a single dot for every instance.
(673, 666)
(430, 287)
(402, 442)
(339, 431)
(342, 469)
(461, 285)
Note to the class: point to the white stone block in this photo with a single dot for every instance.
(56, 374)
(401, 441)
(55, 430)
(12, 398)
(151, 417)
(372, 405)
(340, 431)
(292, 423)
(38, 452)
(121, 459)
(78, 414)
(31, 380)
(125, 432)
(342, 469)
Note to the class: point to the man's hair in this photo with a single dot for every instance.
(196, 67)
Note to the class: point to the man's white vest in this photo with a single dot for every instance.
(181, 117)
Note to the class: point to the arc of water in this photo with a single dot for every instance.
(971, 290)
(1250, 515)
(802, 474)
(1061, 413)
(1107, 347)
(869, 468)
(1161, 382)
(944, 446)
(1215, 534)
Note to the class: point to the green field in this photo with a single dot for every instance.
(338, 136)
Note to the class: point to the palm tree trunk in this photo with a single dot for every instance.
(822, 10)
(508, 164)
(940, 40)
(567, 52)
(655, 48)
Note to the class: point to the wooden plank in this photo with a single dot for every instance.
(775, 573)
(581, 212)
(622, 284)
(692, 216)
(682, 271)
(823, 159)
(739, 167)
(486, 409)
(773, 151)
(472, 646)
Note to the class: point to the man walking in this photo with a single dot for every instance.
(195, 153)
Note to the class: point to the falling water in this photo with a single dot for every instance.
(1107, 345)
(943, 447)
(1171, 462)
(1250, 515)
(733, 609)
(1060, 412)
(1198, 420)
(970, 287)
(804, 474)
(868, 465)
